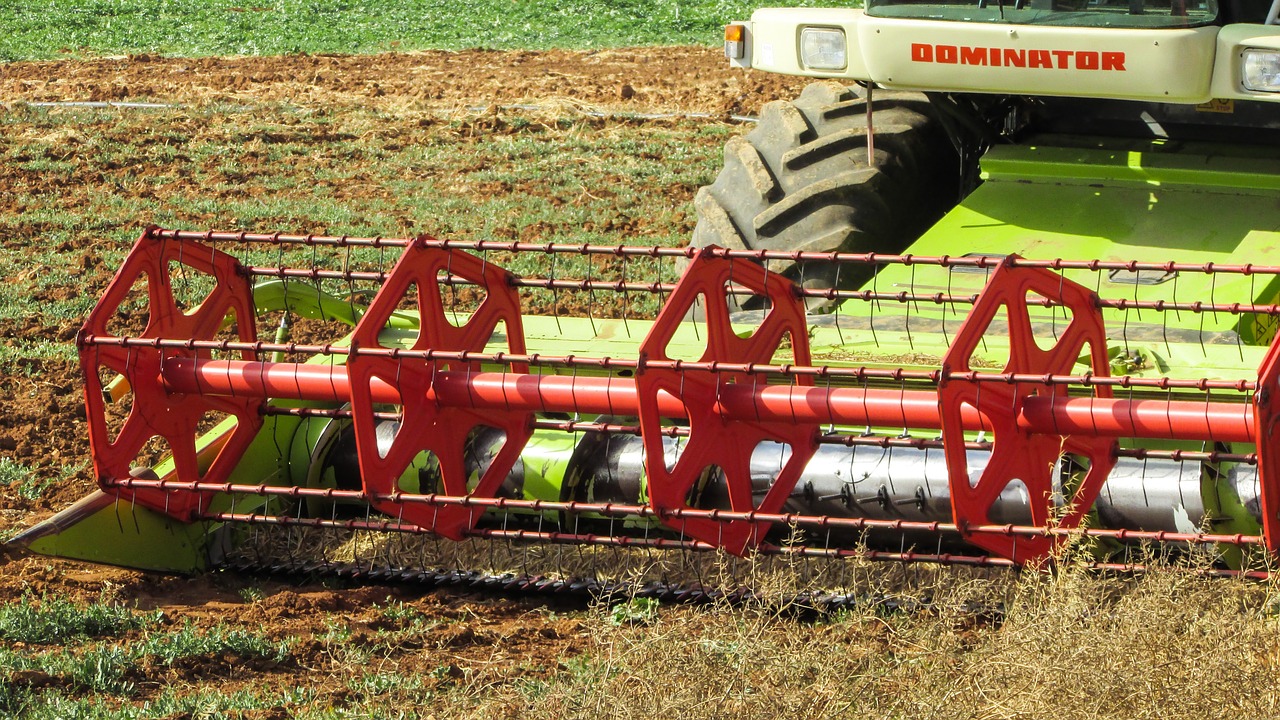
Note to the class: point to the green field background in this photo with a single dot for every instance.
(45, 29)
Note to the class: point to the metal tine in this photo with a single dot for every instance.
(836, 312)
(453, 289)
(1053, 322)
(657, 283)
(765, 265)
(295, 536)
(1204, 351)
(801, 265)
(255, 543)
(626, 295)
(946, 336)
(906, 309)
(325, 546)
(1164, 319)
(1240, 320)
(316, 280)
(1136, 304)
(182, 266)
(874, 306)
(986, 279)
(555, 295)
(1208, 399)
(831, 426)
(525, 547)
(915, 301)
(591, 295)
(351, 285)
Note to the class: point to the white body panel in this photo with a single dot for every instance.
(1177, 65)
(1159, 65)
(1233, 40)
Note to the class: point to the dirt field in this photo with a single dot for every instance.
(484, 639)
(643, 80)
(42, 425)
(391, 144)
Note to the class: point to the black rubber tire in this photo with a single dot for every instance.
(800, 180)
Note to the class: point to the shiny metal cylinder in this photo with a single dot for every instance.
(1153, 495)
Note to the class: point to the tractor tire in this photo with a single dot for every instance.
(800, 180)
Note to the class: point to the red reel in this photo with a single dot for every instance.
(425, 426)
(1018, 454)
(175, 417)
(1266, 428)
(717, 441)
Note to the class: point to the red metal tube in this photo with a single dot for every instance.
(1154, 419)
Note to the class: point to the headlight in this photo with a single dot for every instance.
(822, 48)
(1260, 70)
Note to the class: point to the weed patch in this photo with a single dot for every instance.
(188, 27)
(48, 620)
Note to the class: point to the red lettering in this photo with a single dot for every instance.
(1008, 57)
(973, 56)
(1113, 61)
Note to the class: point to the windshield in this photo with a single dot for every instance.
(1077, 13)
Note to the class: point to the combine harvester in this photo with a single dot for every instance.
(845, 363)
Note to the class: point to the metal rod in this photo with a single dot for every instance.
(1143, 418)
(672, 544)
(859, 374)
(661, 288)
(648, 511)
(981, 261)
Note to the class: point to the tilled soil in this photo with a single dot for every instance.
(678, 79)
(481, 639)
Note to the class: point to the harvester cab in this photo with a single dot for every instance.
(1011, 290)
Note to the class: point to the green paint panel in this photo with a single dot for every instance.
(1136, 201)
(130, 536)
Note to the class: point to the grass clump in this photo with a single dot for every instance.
(37, 683)
(31, 483)
(48, 620)
(190, 641)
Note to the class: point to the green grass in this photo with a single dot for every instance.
(28, 483)
(170, 703)
(111, 667)
(87, 182)
(42, 30)
(45, 620)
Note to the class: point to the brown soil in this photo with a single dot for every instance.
(651, 79)
(43, 427)
(461, 638)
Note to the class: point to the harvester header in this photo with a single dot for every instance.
(423, 397)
